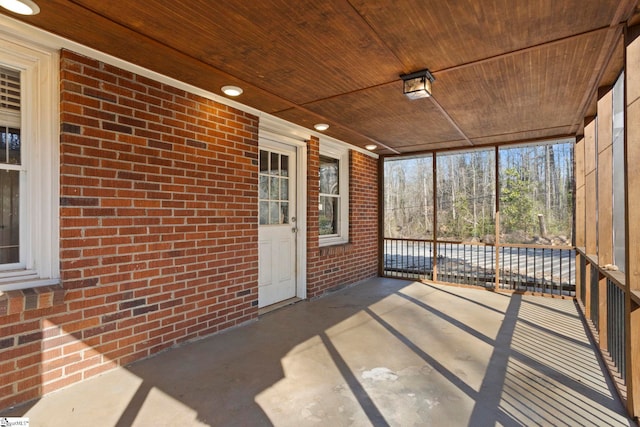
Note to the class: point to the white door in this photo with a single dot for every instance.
(277, 229)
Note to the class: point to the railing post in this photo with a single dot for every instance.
(579, 224)
(434, 169)
(632, 354)
(587, 289)
(496, 286)
(602, 312)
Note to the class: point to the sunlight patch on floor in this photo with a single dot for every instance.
(72, 407)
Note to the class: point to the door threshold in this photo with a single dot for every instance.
(278, 305)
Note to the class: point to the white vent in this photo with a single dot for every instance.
(9, 90)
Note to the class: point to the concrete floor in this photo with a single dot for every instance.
(385, 352)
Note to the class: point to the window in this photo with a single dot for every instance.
(274, 188)
(11, 170)
(29, 173)
(334, 194)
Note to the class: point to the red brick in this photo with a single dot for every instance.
(165, 214)
(60, 383)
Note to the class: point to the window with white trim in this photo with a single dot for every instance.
(11, 171)
(29, 171)
(334, 194)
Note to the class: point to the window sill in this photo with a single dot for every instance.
(332, 240)
(31, 298)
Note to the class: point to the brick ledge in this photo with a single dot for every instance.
(18, 301)
(339, 249)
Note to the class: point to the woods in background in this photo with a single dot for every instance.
(536, 200)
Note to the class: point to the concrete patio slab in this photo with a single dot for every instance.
(384, 353)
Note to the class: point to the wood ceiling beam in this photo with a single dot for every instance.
(600, 65)
(450, 120)
(606, 52)
(623, 13)
(473, 63)
(560, 135)
(519, 51)
(285, 101)
(542, 140)
(625, 7)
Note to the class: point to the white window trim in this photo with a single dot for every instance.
(340, 152)
(39, 208)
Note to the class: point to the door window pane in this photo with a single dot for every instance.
(284, 189)
(274, 192)
(274, 213)
(264, 161)
(273, 188)
(284, 209)
(263, 187)
(264, 213)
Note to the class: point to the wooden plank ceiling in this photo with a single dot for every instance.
(505, 71)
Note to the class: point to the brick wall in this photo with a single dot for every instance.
(332, 267)
(158, 231)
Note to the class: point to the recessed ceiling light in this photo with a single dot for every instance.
(321, 126)
(229, 90)
(22, 7)
(370, 147)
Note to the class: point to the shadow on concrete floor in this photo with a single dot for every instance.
(385, 352)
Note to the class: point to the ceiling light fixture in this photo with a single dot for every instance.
(321, 126)
(417, 85)
(229, 90)
(370, 147)
(22, 7)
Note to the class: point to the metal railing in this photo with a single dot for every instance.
(466, 263)
(583, 280)
(595, 296)
(408, 259)
(616, 327)
(543, 269)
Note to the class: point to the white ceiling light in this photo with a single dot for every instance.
(370, 147)
(22, 7)
(321, 126)
(229, 90)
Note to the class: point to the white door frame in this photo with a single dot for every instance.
(264, 136)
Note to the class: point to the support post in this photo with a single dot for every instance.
(497, 218)
(434, 175)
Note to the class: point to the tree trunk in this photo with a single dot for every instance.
(543, 226)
